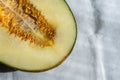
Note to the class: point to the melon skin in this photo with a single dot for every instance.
(7, 68)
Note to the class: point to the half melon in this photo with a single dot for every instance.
(35, 35)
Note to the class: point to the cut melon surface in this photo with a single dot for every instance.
(23, 55)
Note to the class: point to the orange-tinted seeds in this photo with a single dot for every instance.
(23, 20)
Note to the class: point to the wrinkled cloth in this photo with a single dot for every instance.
(96, 55)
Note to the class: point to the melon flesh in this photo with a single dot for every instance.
(29, 57)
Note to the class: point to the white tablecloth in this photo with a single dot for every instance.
(96, 55)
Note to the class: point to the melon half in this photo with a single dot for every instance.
(35, 35)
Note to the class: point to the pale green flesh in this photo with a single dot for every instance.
(22, 55)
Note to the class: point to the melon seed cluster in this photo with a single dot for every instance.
(23, 20)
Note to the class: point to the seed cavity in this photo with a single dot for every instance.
(23, 20)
